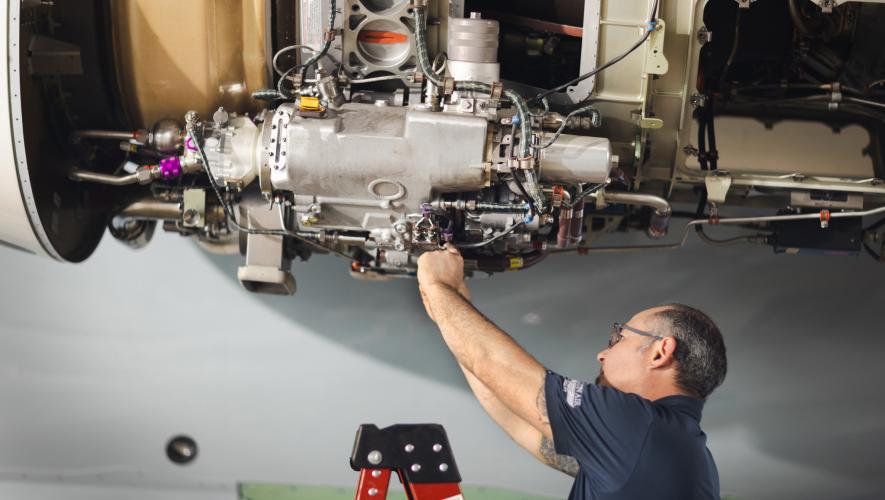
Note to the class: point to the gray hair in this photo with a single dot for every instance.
(700, 349)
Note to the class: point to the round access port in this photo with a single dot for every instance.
(382, 5)
(383, 42)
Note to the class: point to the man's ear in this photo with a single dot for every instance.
(664, 352)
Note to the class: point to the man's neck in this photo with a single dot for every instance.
(657, 392)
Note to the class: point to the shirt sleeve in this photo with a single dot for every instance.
(603, 428)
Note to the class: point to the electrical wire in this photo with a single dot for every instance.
(737, 240)
(327, 42)
(493, 239)
(379, 78)
(587, 192)
(595, 121)
(546, 104)
(283, 51)
(652, 24)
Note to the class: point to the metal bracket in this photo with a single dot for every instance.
(497, 91)
(651, 123)
(718, 185)
(448, 87)
(655, 62)
(194, 208)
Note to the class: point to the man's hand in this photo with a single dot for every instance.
(443, 268)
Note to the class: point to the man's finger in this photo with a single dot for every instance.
(452, 249)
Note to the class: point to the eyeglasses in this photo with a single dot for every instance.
(617, 334)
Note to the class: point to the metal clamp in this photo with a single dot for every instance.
(329, 36)
(497, 91)
(448, 86)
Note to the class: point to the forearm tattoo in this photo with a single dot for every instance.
(562, 463)
(541, 402)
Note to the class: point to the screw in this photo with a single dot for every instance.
(416, 467)
(437, 448)
(375, 457)
(373, 492)
(410, 448)
(376, 473)
(443, 467)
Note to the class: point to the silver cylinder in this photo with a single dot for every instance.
(473, 40)
(575, 158)
(152, 209)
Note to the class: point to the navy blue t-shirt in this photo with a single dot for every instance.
(629, 447)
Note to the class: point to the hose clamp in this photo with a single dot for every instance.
(448, 86)
(497, 91)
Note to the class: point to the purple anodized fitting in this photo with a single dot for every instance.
(170, 167)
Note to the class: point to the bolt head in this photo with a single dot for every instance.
(374, 457)
(437, 448)
(376, 473)
(443, 467)
(410, 448)
(373, 492)
(416, 467)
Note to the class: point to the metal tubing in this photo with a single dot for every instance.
(152, 209)
(104, 134)
(111, 180)
(660, 205)
(728, 221)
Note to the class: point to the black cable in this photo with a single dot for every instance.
(587, 192)
(651, 26)
(525, 194)
(702, 138)
(712, 152)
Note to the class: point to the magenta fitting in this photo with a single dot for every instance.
(170, 167)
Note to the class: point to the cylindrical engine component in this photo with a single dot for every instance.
(473, 40)
(473, 50)
(565, 227)
(573, 159)
(152, 209)
(365, 164)
(232, 154)
(658, 225)
(576, 231)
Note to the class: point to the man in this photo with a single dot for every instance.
(634, 434)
